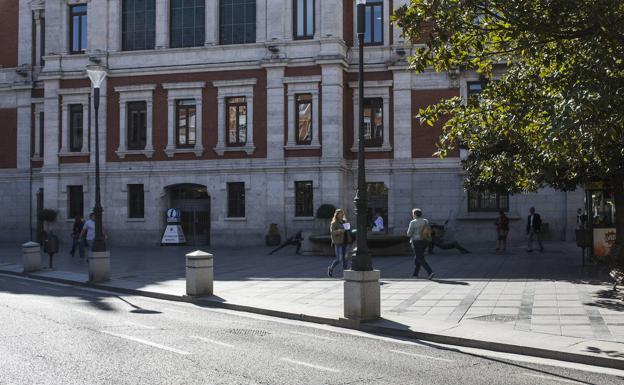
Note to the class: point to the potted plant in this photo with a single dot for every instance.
(326, 213)
(273, 238)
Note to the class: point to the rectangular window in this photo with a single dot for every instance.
(304, 202)
(236, 199)
(373, 122)
(77, 28)
(138, 24)
(41, 133)
(185, 122)
(187, 23)
(75, 203)
(136, 205)
(373, 23)
(304, 19)
(137, 126)
(236, 112)
(42, 41)
(303, 130)
(237, 24)
(75, 127)
(487, 201)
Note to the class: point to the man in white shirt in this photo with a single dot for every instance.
(378, 224)
(414, 232)
(89, 230)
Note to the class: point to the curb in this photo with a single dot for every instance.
(351, 324)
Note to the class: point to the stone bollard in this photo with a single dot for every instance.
(99, 266)
(362, 295)
(199, 273)
(31, 256)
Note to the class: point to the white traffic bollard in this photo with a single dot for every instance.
(199, 273)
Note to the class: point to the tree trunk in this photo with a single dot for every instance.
(617, 251)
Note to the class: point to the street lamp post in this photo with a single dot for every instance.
(99, 259)
(362, 295)
(97, 74)
(361, 255)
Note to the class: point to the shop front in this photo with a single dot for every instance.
(600, 206)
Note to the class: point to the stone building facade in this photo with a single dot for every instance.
(241, 113)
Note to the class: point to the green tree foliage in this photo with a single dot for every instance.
(555, 114)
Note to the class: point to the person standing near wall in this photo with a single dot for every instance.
(534, 229)
(502, 230)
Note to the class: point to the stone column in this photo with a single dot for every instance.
(38, 128)
(162, 23)
(362, 295)
(114, 25)
(64, 128)
(330, 22)
(199, 142)
(332, 119)
(24, 116)
(402, 96)
(123, 126)
(220, 122)
(170, 123)
(275, 112)
(290, 129)
(149, 146)
(261, 21)
(51, 140)
(37, 38)
(199, 273)
(212, 22)
(31, 256)
(276, 21)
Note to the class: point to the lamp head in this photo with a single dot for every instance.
(96, 74)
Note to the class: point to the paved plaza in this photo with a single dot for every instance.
(515, 293)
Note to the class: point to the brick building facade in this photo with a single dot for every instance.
(241, 113)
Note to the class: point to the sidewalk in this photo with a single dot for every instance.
(542, 304)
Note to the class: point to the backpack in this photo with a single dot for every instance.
(426, 233)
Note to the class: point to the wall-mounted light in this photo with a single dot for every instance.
(400, 52)
(273, 49)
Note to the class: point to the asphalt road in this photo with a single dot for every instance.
(57, 334)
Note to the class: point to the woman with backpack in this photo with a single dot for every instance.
(419, 233)
(502, 230)
(341, 238)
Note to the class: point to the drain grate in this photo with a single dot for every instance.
(496, 318)
(248, 332)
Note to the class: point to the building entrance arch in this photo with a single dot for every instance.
(193, 201)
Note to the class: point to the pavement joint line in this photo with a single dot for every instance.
(140, 325)
(319, 367)
(551, 378)
(146, 342)
(313, 336)
(421, 356)
(213, 341)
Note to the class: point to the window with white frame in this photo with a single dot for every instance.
(74, 121)
(135, 120)
(376, 115)
(235, 99)
(304, 19)
(303, 112)
(184, 100)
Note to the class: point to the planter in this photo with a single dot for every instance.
(273, 240)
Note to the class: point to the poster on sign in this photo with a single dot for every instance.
(604, 239)
(174, 235)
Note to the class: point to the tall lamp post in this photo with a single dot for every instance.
(97, 73)
(361, 255)
(362, 295)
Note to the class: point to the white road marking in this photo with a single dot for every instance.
(562, 380)
(422, 356)
(142, 341)
(213, 341)
(139, 325)
(319, 367)
(86, 312)
(314, 336)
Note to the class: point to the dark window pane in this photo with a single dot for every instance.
(185, 122)
(136, 201)
(237, 21)
(487, 201)
(367, 25)
(300, 18)
(304, 202)
(75, 127)
(187, 23)
(309, 18)
(373, 122)
(137, 125)
(373, 22)
(236, 112)
(138, 24)
(75, 202)
(236, 199)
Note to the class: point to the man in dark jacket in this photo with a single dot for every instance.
(534, 229)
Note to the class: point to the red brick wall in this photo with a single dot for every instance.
(347, 25)
(425, 137)
(209, 116)
(8, 133)
(9, 32)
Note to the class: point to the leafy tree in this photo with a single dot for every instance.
(555, 116)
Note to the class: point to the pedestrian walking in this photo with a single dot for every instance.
(88, 231)
(77, 242)
(341, 238)
(419, 233)
(378, 224)
(502, 230)
(534, 230)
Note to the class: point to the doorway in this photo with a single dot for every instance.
(193, 202)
